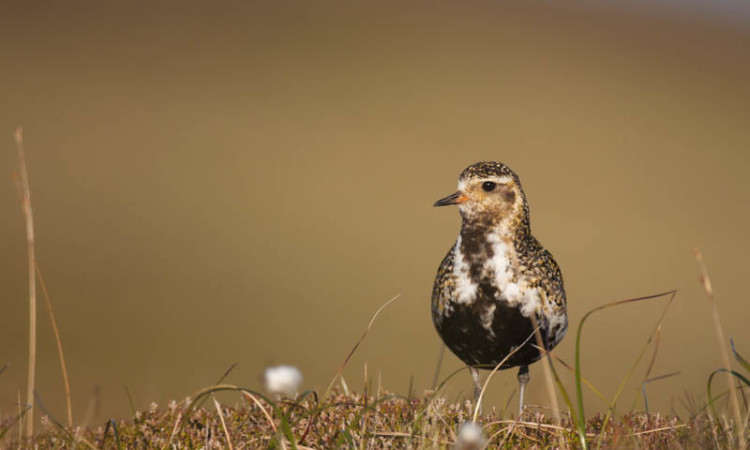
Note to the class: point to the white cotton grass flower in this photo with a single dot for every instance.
(470, 436)
(283, 380)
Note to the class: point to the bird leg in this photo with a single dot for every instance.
(477, 386)
(523, 379)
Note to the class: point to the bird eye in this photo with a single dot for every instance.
(488, 186)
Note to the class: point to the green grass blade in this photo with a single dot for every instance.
(581, 425)
(711, 400)
(643, 389)
(116, 432)
(737, 356)
(585, 381)
(76, 441)
(130, 400)
(18, 417)
(657, 326)
(564, 393)
(359, 342)
(286, 431)
(219, 381)
(106, 433)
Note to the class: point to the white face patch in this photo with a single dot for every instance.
(466, 289)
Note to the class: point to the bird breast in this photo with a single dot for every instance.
(498, 266)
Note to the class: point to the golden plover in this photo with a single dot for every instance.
(497, 280)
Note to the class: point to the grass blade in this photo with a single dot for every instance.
(646, 382)
(218, 382)
(729, 373)
(223, 424)
(19, 416)
(494, 370)
(737, 356)
(356, 346)
(116, 433)
(58, 341)
(61, 427)
(439, 365)
(130, 400)
(546, 362)
(583, 379)
(563, 391)
(286, 432)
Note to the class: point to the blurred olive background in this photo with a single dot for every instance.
(248, 182)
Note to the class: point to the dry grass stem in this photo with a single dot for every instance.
(657, 339)
(494, 370)
(356, 346)
(722, 346)
(509, 431)
(262, 408)
(549, 380)
(656, 430)
(541, 426)
(175, 428)
(29, 217)
(63, 366)
(223, 424)
(21, 418)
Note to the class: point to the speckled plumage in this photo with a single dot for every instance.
(496, 276)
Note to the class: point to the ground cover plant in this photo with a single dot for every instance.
(355, 420)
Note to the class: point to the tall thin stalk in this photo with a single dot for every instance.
(546, 363)
(26, 206)
(722, 347)
(56, 331)
(354, 349)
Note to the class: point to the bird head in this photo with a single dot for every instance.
(489, 192)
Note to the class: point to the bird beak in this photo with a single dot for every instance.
(453, 199)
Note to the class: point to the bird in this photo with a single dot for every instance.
(497, 285)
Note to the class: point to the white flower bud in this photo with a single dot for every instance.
(470, 436)
(283, 380)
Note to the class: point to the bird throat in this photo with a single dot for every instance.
(483, 237)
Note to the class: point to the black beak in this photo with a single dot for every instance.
(453, 199)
